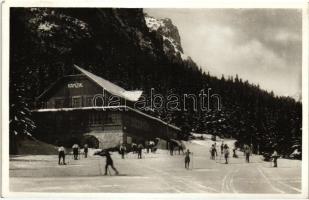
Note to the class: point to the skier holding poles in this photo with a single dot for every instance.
(187, 159)
(109, 161)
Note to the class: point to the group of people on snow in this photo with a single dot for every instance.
(246, 149)
(76, 153)
(225, 152)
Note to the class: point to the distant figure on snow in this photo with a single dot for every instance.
(147, 146)
(187, 159)
(86, 150)
(234, 153)
(275, 156)
(213, 152)
(247, 152)
(226, 153)
(134, 148)
(222, 147)
(171, 148)
(180, 148)
(75, 148)
(122, 150)
(61, 154)
(251, 149)
(139, 151)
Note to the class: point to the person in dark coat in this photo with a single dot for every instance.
(75, 148)
(61, 155)
(234, 153)
(171, 148)
(109, 161)
(187, 159)
(139, 151)
(147, 146)
(222, 147)
(86, 150)
(247, 153)
(122, 150)
(213, 152)
(134, 148)
(226, 153)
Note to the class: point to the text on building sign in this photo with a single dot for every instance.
(75, 85)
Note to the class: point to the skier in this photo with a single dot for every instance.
(275, 156)
(222, 147)
(171, 148)
(134, 147)
(234, 153)
(109, 161)
(180, 148)
(247, 152)
(122, 150)
(187, 159)
(226, 153)
(61, 154)
(147, 146)
(86, 150)
(139, 151)
(213, 152)
(251, 149)
(75, 148)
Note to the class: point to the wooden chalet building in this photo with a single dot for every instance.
(73, 109)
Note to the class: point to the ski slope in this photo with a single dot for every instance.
(157, 173)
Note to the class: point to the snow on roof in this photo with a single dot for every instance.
(121, 108)
(111, 87)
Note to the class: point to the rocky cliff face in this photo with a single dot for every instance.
(169, 33)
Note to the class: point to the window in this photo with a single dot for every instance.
(59, 103)
(89, 101)
(95, 118)
(76, 102)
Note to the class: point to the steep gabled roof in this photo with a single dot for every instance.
(111, 87)
(107, 85)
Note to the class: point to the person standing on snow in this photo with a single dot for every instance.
(86, 150)
(75, 148)
(122, 150)
(213, 152)
(171, 148)
(61, 154)
(134, 148)
(226, 153)
(234, 152)
(222, 147)
(139, 151)
(247, 152)
(275, 156)
(187, 159)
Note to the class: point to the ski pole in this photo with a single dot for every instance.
(100, 167)
(192, 162)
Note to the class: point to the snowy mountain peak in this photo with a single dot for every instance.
(170, 35)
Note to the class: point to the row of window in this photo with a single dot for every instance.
(74, 102)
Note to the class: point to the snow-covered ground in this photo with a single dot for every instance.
(156, 172)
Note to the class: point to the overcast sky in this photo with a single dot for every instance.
(260, 45)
